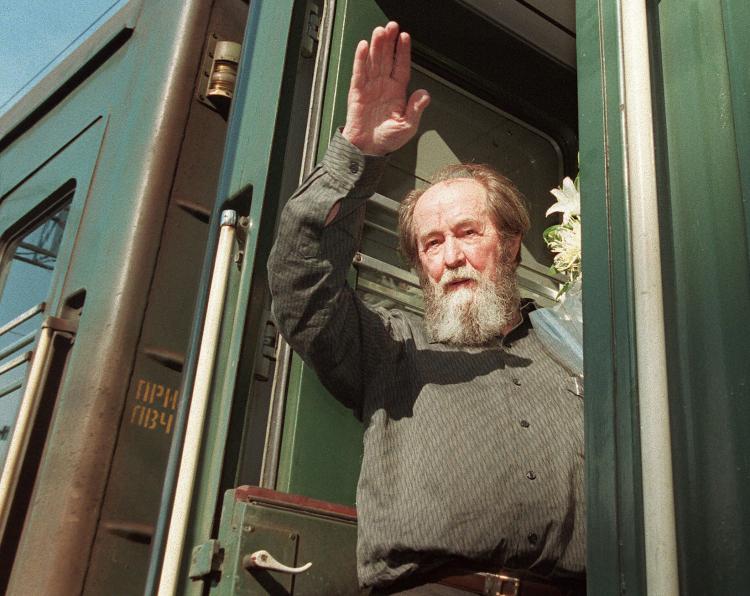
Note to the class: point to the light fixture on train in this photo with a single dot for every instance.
(223, 75)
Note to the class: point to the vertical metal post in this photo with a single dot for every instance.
(24, 423)
(175, 544)
(656, 444)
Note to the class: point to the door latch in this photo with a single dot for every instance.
(262, 559)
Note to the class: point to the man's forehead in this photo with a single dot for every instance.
(454, 198)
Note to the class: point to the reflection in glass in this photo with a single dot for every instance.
(27, 274)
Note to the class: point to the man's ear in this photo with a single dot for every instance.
(514, 248)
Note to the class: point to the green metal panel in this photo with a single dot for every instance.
(69, 167)
(138, 83)
(614, 524)
(293, 537)
(735, 18)
(322, 449)
(708, 287)
(249, 183)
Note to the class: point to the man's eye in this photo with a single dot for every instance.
(431, 244)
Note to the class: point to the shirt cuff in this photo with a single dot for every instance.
(350, 166)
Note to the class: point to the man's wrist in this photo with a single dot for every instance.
(351, 166)
(361, 143)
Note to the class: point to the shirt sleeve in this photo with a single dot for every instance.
(317, 312)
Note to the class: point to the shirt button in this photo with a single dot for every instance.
(532, 538)
(353, 167)
(525, 423)
(531, 475)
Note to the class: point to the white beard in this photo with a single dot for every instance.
(470, 316)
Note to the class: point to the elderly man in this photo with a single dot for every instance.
(473, 449)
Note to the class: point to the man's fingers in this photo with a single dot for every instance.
(402, 63)
(391, 37)
(359, 72)
(377, 47)
(416, 105)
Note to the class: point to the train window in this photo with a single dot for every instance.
(27, 273)
(458, 127)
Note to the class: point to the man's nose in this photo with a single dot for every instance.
(453, 254)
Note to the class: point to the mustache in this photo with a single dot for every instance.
(461, 273)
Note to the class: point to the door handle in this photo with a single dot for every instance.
(262, 559)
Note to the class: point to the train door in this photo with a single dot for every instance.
(41, 206)
(517, 112)
(481, 111)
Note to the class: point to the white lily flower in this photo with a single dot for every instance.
(568, 248)
(568, 200)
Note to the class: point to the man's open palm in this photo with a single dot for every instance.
(379, 118)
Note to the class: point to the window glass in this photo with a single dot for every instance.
(459, 127)
(27, 274)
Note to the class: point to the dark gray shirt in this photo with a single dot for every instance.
(469, 453)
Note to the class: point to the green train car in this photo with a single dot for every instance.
(155, 430)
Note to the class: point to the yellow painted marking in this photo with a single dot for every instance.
(154, 406)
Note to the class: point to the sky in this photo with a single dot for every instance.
(36, 34)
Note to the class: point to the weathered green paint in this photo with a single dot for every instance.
(735, 17)
(614, 524)
(270, 50)
(138, 93)
(322, 447)
(69, 167)
(700, 83)
(708, 287)
(293, 538)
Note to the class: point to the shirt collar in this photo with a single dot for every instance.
(522, 327)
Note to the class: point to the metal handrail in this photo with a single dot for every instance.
(198, 406)
(17, 345)
(651, 357)
(373, 264)
(23, 425)
(16, 362)
(22, 318)
(10, 388)
(386, 203)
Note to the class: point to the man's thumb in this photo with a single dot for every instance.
(417, 103)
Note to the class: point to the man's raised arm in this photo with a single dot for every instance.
(379, 119)
(320, 228)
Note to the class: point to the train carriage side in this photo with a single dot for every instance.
(108, 173)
